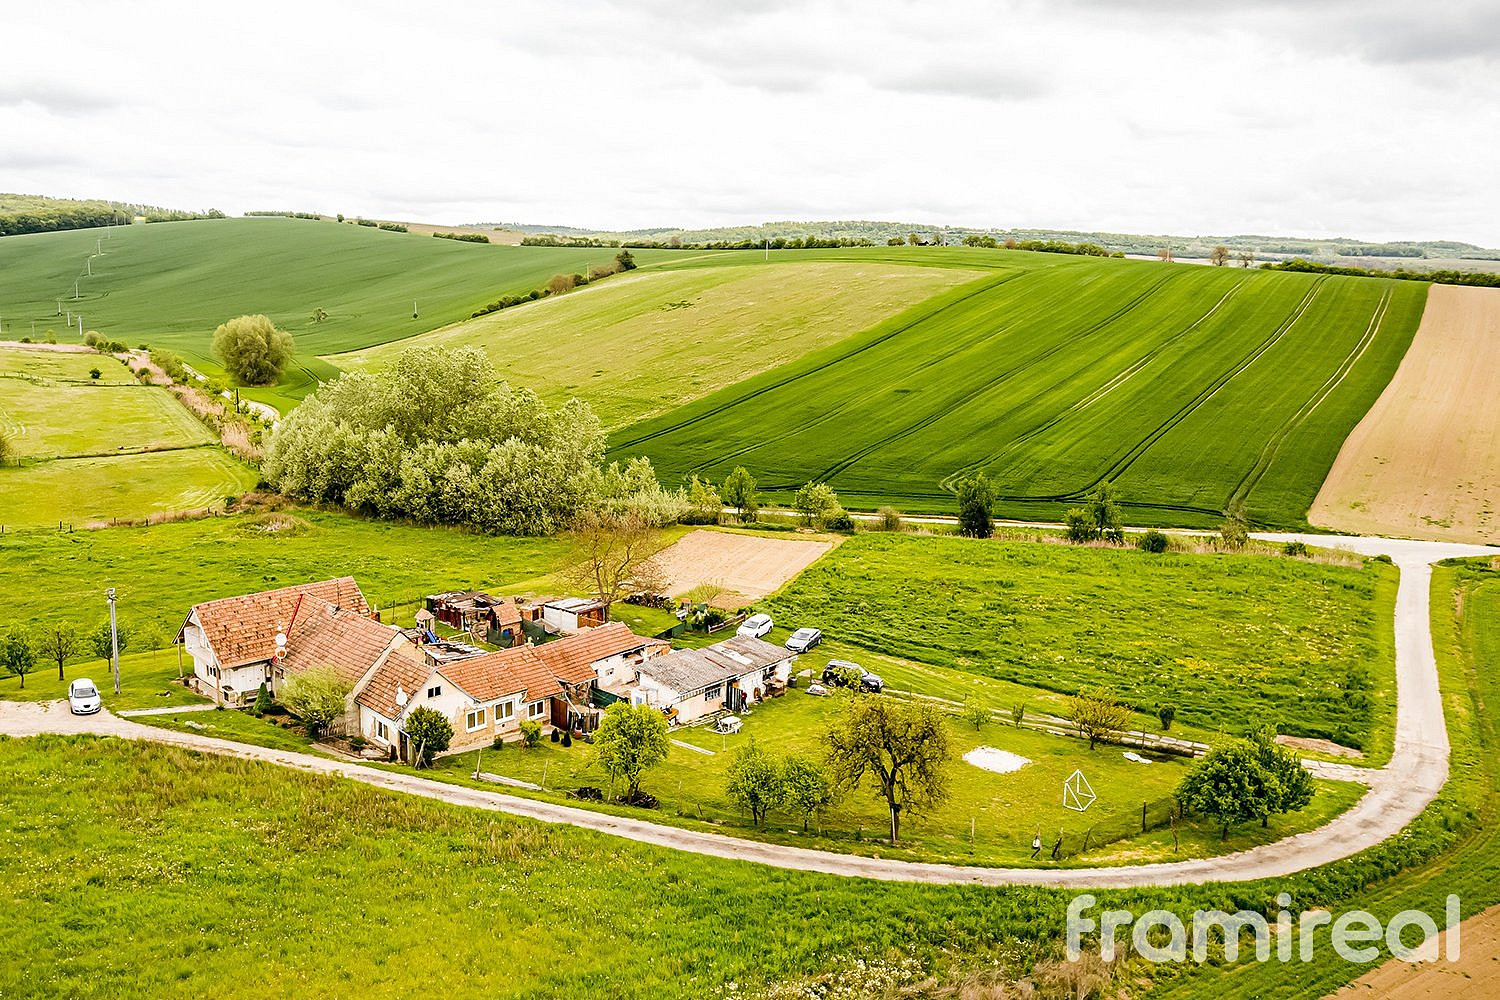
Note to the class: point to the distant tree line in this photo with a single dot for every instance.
(559, 284)
(165, 215)
(1441, 277)
(1040, 246)
(463, 237)
(287, 215)
(676, 243)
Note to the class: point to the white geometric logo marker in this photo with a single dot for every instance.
(1078, 794)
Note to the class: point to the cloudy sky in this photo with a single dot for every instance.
(1345, 117)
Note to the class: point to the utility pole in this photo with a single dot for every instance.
(114, 640)
(80, 326)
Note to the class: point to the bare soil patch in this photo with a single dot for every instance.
(1475, 976)
(747, 566)
(1318, 746)
(1425, 461)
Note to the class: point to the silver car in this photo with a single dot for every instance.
(804, 639)
(83, 697)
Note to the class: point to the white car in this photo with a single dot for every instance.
(83, 697)
(804, 639)
(756, 626)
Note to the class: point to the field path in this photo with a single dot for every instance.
(1398, 792)
(1425, 461)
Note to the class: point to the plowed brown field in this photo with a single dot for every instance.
(1425, 461)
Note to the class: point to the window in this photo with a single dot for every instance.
(474, 720)
(536, 710)
(504, 710)
(381, 732)
(714, 693)
(434, 691)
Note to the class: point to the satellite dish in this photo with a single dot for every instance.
(400, 697)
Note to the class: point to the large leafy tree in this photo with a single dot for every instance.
(59, 643)
(252, 349)
(805, 787)
(814, 501)
(428, 733)
(1293, 787)
(739, 492)
(317, 696)
(902, 748)
(437, 438)
(755, 781)
(630, 740)
(1230, 785)
(17, 654)
(1098, 715)
(976, 497)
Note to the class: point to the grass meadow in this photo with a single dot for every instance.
(162, 570)
(1455, 843)
(1055, 374)
(92, 451)
(641, 344)
(1229, 640)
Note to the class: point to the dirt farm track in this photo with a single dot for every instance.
(1425, 461)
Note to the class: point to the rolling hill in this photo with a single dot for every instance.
(1186, 386)
(171, 284)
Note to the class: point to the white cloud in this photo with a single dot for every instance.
(1368, 119)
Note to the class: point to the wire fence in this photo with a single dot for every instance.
(1100, 830)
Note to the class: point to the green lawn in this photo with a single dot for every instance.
(990, 818)
(1058, 373)
(640, 344)
(1230, 640)
(162, 570)
(147, 680)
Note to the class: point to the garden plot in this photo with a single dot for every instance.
(748, 567)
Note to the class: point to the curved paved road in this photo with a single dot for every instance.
(1398, 792)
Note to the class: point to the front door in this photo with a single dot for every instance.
(402, 746)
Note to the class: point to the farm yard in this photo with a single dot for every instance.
(91, 450)
(1228, 640)
(1425, 461)
(625, 346)
(1055, 376)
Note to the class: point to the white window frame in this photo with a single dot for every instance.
(713, 691)
(536, 709)
(504, 711)
(382, 733)
(436, 691)
(474, 719)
